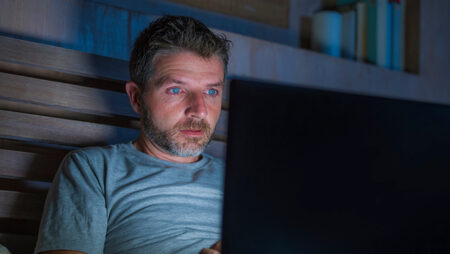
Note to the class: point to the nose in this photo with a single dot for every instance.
(196, 106)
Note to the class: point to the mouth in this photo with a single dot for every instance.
(195, 133)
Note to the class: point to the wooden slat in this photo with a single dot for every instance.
(20, 205)
(58, 76)
(32, 147)
(61, 59)
(28, 165)
(18, 244)
(57, 94)
(61, 131)
(46, 110)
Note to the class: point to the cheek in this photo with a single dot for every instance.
(167, 115)
(214, 112)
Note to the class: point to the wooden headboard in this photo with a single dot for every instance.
(53, 100)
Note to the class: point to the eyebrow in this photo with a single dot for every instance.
(164, 80)
(218, 84)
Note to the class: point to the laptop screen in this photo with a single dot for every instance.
(316, 171)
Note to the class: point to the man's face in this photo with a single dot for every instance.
(182, 104)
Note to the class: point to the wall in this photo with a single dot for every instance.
(108, 27)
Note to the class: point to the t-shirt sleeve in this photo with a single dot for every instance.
(74, 216)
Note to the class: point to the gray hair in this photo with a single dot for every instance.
(172, 34)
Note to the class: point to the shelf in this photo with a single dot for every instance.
(258, 59)
(411, 32)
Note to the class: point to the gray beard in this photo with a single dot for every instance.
(191, 147)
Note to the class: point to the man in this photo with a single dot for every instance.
(158, 194)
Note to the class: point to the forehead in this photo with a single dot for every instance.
(188, 66)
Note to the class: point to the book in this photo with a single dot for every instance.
(412, 36)
(398, 35)
(361, 31)
(326, 32)
(348, 34)
(379, 23)
(353, 28)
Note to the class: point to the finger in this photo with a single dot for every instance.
(217, 246)
(209, 251)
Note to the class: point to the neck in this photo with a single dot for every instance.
(144, 145)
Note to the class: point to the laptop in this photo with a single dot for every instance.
(317, 171)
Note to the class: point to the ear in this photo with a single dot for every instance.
(134, 94)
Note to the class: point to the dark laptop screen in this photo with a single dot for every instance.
(314, 171)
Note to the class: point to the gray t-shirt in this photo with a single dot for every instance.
(116, 199)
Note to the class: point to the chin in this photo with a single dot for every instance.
(188, 152)
(189, 148)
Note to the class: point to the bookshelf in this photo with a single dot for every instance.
(267, 61)
(411, 30)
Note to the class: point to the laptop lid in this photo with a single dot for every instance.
(316, 171)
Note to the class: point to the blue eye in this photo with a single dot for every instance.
(175, 90)
(212, 92)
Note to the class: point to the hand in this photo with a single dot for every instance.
(214, 249)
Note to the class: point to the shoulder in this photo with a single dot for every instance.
(93, 160)
(214, 163)
(99, 153)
